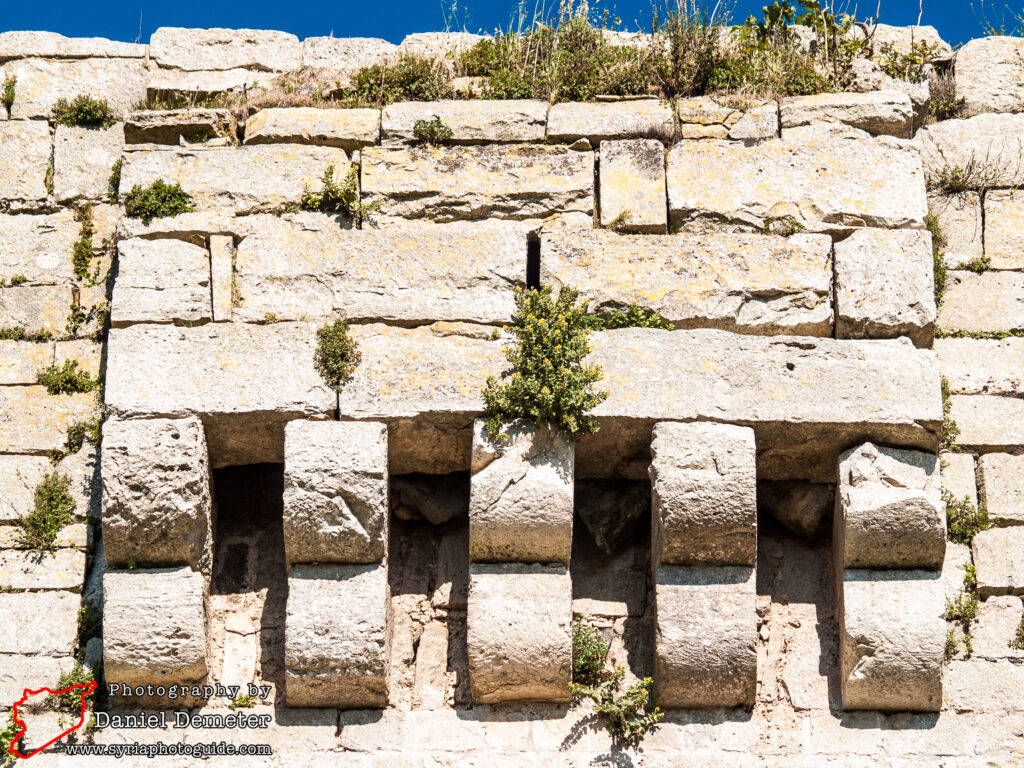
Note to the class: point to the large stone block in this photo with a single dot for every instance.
(891, 638)
(491, 181)
(755, 284)
(517, 634)
(704, 495)
(154, 627)
(997, 557)
(121, 82)
(649, 118)
(82, 161)
(416, 272)
(337, 636)
(170, 126)
(991, 301)
(520, 495)
(989, 423)
(161, 281)
(982, 366)
(37, 308)
(222, 276)
(50, 45)
(884, 286)
(889, 510)
(1004, 222)
(989, 147)
(37, 247)
(24, 569)
(959, 220)
(197, 49)
(39, 623)
(24, 159)
(337, 59)
(32, 421)
(174, 84)
(705, 642)
(20, 476)
(886, 113)
(1001, 486)
(998, 621)
(958, 476)
(21, 673)
(157, 509)
(244, 381)
(709, 117)
(21, 361)
(471, 122)
(990, 75)
(246, 179)
(632, 186)
(349, 129)
(819, 179)
(335, 492)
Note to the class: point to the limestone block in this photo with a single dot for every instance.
(997, 557)
(517, 635)
(32, 421)
(891, 637)
(193, 227)
(759, 122)
(804, 508)
(991, 144)
(246, 179)
(41, 83)
(37, 247)
(172, 125)
(74, 536)
(471, 122)
(885, 113)
(222, 257)
(1001, 486)
(50, 45)
(959, 219)
(24, 569)
(82, 160)
(22, 632)
(213, 49)
(175, 83)
(335, 492)
(818, 179)
(902, 39)
(889, 510)
(161, 281)
(19, 673)
(709, 117)
(490, 181)
(21, 361)
(990, 75)
(884, 286)
(649, 118)
(755, 284)
(154, 627)
(24, 159)
(349, 129)
(958, 475)
(157, 508)
(991, 301)
(703, 495)
(341, 57)
(19, 476)
(245, 382)
(988, 423)
(337, 636)
(705, 641)
(520, 495)
(982, 366)
(1004, 220)
(438, 45)
(998, 622)
(37, 308)
(632, 190)
(415, 272)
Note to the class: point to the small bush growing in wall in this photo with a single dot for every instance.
(963, 610)
(157, 201)
(77, 433)
(964, 520)
(52, 510)
(9, 738)
(10, 83)
(1017, 643)
(432, 131)
(114, 181)
(412, 78)
(337, 354)
(635, 316)
(908, 65)
(81, 251)
(70, 703)
(343, 198)
(83, 110)
(950, 429)
(18, 280)
(939, 267)
(549, 383)
(66, 380)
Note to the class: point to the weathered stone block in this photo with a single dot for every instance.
(24, 159)
(632, 190)
(244, 381)
(804, 508)
(176, 83)
(337, 636)
(18, 673)
(37, 308)
(820, 180)
(50, 45)
(21, 361)
(222, 276)
(82, 160)
(438, 45)
(705, 652)
(959, 219)
(41, 83)
(756, 284)
(172, 125)
(902, 39)
(1004, 222)
(335, 492)
(161, 281)
(246, 179)
(32, 421)
(708, 117)
(887, 113)
(520, 495)
(349, 129)
(24, 569)
(1001, 486)
(37, 247)
(338, 58)
(989, 423)
(157, 509)
(958, 475)
(889, 510)
(997, 557)
(491, 181)
(884, 286)
(154, 627)
(20, 476)
(703, 495)
(990, 75)
(987, 146)
(196, 49)
(982, 366)
(471, 122)
(891, 637)
(517, 635)
(569, 121)
(23, 632)
(998, 621)
(991, 301)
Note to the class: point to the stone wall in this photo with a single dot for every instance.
(404, 588)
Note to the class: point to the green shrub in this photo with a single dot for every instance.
(90, 624)
(549, 383)
(18, 280)
(70, 703)
(589, 652)
(907, 65)
(114, 181)
(1017, 642)
(950, 429)
(963, 610)
(944, 104)
(341, 199)
(964, 520)
(16, 333)
(52, 510)
(10, 82)
(337, 354)
(77, 433)
(432, 131)
(939, 268)
(635, 316)
(81, 251)
(978, 175)
(977, 265)
(83, 110)
(242, 702)
(411, 78)
(157, 201)
(8, 738)
(67, 380)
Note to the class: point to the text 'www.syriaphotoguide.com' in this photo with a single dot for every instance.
(161, 749)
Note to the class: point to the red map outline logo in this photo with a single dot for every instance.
(87, 689)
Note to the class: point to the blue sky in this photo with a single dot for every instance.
(956, 20)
